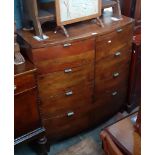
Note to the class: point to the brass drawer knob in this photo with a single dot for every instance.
(70, 114)
(68, 70)
(15, 87)
(117, 54)
(115, 75)
(114, 93)
(119, 30)
(67, 44)
(69, 93)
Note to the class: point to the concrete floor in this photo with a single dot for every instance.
(24, 149)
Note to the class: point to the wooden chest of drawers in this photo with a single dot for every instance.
(26, 115)
(82, 79)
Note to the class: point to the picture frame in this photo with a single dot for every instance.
(72, 11)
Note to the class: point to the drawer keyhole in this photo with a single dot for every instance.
(109, 41)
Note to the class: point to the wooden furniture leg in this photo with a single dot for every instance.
(109, 146)
(43, 146)
(37, 27)
(32, 12)
(117, 10)
(100, 22)
(65, 31)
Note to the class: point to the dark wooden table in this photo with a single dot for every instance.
(123, 136)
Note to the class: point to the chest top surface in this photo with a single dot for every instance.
(76, 31)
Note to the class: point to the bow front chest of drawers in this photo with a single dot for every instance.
(82, 79)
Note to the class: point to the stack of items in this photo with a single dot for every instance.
(18, 58)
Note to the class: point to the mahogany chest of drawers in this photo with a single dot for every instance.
(83, 79)
(26, 115)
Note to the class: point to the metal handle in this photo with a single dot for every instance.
(68, 70)
(117, 53)
(116, 74)
(109, 41)
(114, 93)
(69, 93)
(67, 44)
(119, 30)
(70, 114)
(15, 87)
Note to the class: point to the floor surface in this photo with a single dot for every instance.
(24, 149)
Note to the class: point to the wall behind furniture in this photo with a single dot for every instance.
(18, 13)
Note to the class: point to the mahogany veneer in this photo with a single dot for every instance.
(26, 115)
(82, 79)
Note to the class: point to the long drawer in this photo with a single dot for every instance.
(53, 83)
(66, 100)
(63, 56)
(68, 123)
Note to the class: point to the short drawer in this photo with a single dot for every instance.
(111, 77)
(114, 91)
(24, 82)
(109, 71)
(55, 82)
(67, 124)
(112, 98)
(113, 55)
(79, 95)
(108, 103)
(115, 39)
(62, 56)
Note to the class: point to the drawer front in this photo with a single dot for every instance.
(110, 101)
(67, 124)
(110, 77)
(55, 82)
(26, 116)
(73, 97)
(107, 104)
(24, 82)
(114, 93)
(58, 57)
(114, 40)
(113, 55)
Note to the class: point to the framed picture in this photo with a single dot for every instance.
(71, 11)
